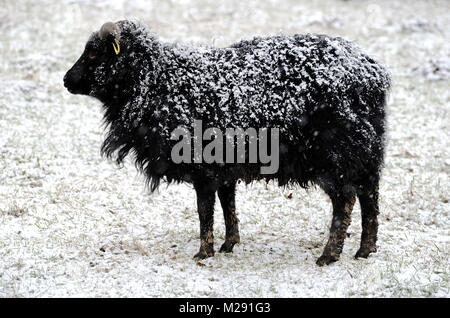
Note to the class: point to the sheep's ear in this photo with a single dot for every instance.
(110, 32)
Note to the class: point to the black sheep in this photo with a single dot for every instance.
(326, 97)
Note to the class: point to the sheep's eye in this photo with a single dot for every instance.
(92, 57)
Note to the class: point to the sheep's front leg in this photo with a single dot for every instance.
(206, 195)
(342, 209)
(227, 194)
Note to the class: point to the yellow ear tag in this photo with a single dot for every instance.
(116, 49)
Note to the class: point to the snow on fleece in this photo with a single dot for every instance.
(263, 82)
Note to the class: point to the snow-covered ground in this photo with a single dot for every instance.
(73, 224)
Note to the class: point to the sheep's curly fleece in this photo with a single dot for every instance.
(326, 96)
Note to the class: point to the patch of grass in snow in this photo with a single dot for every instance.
(15, 210)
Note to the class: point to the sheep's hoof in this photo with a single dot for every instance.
(203, 253)
(364, 252)
(326, 259)
(227, 247)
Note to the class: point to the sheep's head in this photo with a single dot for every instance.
(90, 74)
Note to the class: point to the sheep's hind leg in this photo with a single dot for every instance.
(206, 195)
(227, 194)
(342, 209)
(369, 211)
